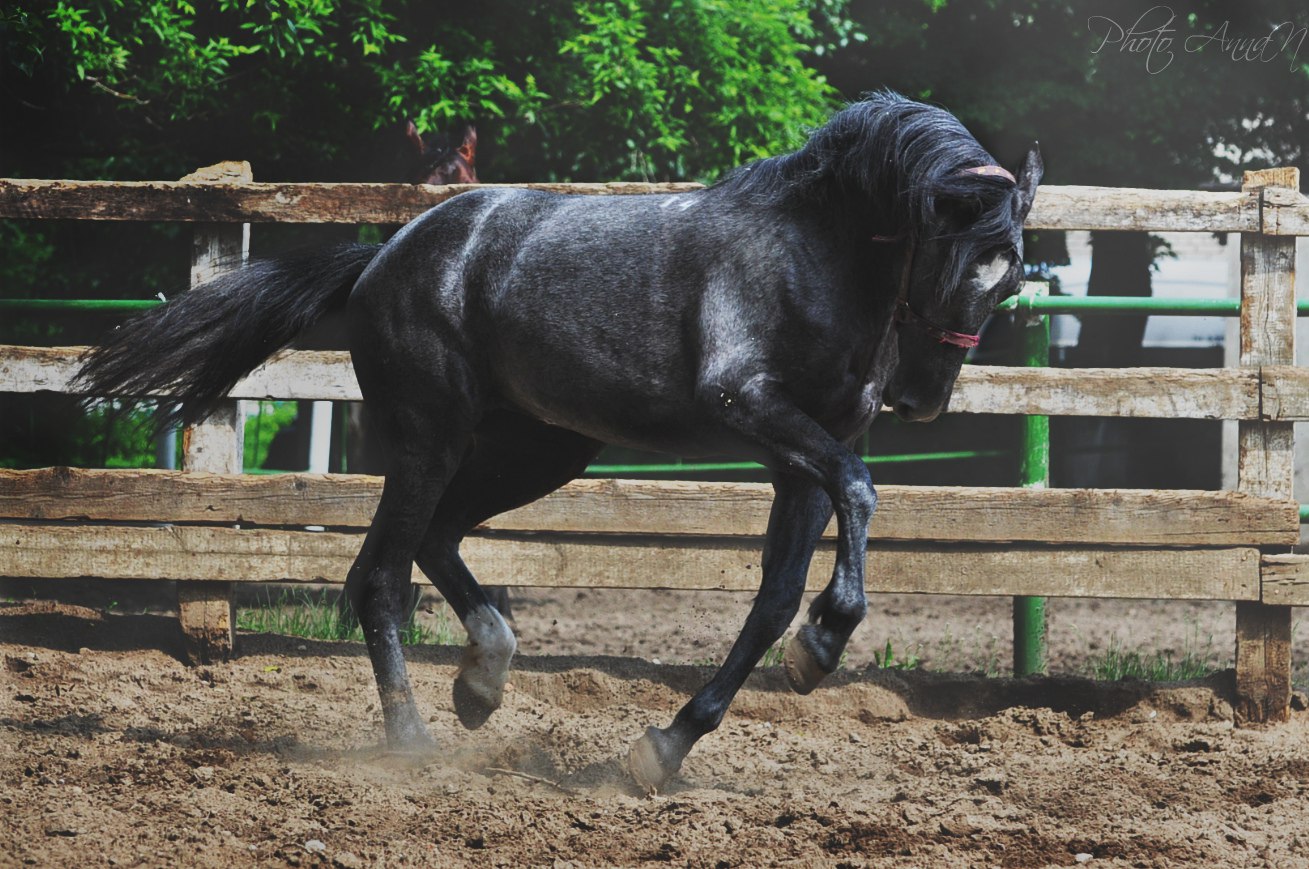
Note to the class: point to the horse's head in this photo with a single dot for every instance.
(435, 159)
(965, 258)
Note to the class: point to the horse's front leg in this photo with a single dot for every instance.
(823, 476)
(816, 649)
(799, 445)
(800, 512)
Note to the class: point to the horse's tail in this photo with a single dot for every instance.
(197, 346)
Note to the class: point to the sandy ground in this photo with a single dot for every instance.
(113, 752)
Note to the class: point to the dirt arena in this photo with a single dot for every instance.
(113, 752)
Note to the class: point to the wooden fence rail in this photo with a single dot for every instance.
(1132, 517)
(1275, 392)
(209, 526)
(1070, 207)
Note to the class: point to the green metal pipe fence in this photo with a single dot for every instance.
(701, 467)
(1129, 305)
(78, 304)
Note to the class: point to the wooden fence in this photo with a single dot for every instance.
(208, 526)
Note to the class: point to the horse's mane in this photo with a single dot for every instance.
(903, 159)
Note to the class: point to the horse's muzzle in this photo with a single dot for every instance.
(910, 412)
(909, 407)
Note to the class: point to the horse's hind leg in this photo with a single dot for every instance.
(800, 512)
(426, 450)
(514, 460)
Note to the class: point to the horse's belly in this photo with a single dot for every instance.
(643, 405)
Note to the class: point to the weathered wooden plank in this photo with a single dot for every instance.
(1263, 662)
(1268, 312)
(1055, 207)
(1074, 207)
(1050, 572)
(183, 497)
(651, 507)
(217, 445)
(1286, 212)
(1174, 393)
(1266, 450)
(1265, 454)
(1214, 393)
(37, 369)
(686, 563)
(1286, 580)
(300, 374)
(262, 203)
(303, 374)
(1284, 393)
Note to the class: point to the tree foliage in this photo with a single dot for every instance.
(583, 90)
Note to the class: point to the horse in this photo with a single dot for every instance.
(502, 337)
(433, 159)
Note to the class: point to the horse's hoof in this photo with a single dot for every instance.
(803, 671)
(473, 707)
(645, 765)
(480, 683)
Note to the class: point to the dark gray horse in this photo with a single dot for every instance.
(501, 337)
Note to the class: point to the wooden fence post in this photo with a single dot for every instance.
(217, 445)
(1266, 452)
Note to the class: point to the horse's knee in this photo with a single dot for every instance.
(858, 493)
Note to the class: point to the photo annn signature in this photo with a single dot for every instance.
(1154, 37)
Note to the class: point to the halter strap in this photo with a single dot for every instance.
(904, 312)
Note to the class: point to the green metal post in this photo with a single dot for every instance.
(1029, 612)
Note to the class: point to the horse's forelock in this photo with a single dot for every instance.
(995, 225)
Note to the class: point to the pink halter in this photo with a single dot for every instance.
(997, 171)
(906, 314)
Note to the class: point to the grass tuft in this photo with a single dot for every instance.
(773, 657)
(886, 659)
(315, 617)
(1160, 666)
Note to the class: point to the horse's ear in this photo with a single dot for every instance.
(1029, 177)
(414, 139)
(468, 147)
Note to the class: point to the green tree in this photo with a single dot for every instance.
(588, 90)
